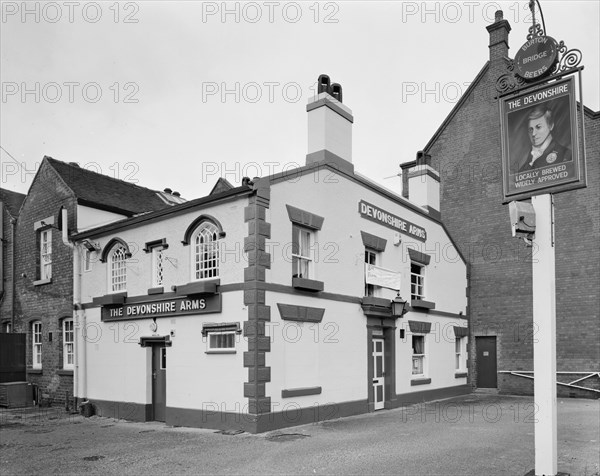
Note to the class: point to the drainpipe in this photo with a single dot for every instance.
(79, 377)
(2, 245)
(13, 230)
(13, 278)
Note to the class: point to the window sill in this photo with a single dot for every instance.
(300, 392)
(376, 301)
(65, 372)
(460, 375)
(420, 381)
(207, 286)
(290, 312)
(221, 352)
(308, 284)
(110, 299)
(41, 282)
(35, 371)
(422, 304)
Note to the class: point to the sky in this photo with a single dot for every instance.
(177, 94)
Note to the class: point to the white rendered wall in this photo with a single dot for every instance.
(440, 354)
(115, 363)
(177, 266)
(343, 372)
(92, 217)
(340, 263)
(118, 369)
(198, 380)
(331, 354)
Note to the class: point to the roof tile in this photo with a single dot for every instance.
(12, 200)
(102, 191)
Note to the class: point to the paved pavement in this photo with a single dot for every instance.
(477, 434)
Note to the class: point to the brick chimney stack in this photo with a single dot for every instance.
(499, 31)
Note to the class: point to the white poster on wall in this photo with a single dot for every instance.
(382, 277)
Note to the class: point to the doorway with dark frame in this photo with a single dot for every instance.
(487, 367)
(159, 382)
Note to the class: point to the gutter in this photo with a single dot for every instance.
(13, 229)
(2, 244)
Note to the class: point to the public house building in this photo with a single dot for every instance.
(291, 298)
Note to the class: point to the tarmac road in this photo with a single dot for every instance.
(477, 434)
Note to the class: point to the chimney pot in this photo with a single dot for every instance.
(177, 194)
(423, 158)
(336, 91)
(168, 190)
(324, 84)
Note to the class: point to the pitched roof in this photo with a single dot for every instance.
(186, 207)
(457, 107)
(12, 200)
(222, 185)
(104, 192)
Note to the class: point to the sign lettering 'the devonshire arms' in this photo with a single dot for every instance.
(173, 307)
(376, 214)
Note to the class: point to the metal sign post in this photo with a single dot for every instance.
(544, 339)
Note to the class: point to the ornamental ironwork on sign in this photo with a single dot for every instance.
(541, 57)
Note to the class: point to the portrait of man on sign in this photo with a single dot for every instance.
(540, 141)
(541, 135)
(545, 149)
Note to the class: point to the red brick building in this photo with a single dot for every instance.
(466, 150)
(10, 204)
(43, 307)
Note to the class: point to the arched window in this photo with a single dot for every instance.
(117, 269)
(205, 251)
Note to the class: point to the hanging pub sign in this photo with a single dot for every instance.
(536, 58)
(179, 306)
(540, 145)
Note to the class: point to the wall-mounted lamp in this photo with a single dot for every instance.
(399, 306)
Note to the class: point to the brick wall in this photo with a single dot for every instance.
(49, 303)
(467, 152)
